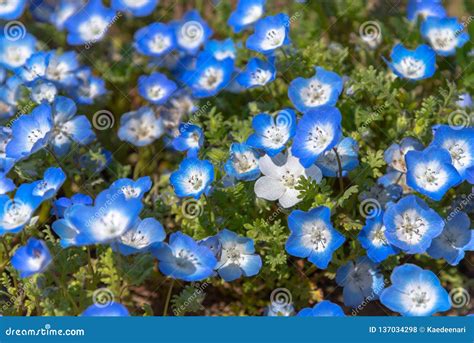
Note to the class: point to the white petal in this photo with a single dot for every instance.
(290, 198)
(267, 167)
(294, 166)
(268, 188)
(314, 173)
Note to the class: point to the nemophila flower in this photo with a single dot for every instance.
(411, 225)
(191, 32)
(10, 94)
(61, 68)
(6, 163)
(32, 258)
(243, 162)
(372, 238)
(110, 217)
(34, 67)
(156, 88)
(140, 127)
(343, 156)
(257, 73)
(430, 172)
(246, 14)
(184, 259)
(15, 50)
(325, 308)
(415, 292)
(460, 145)
(270, 34)
(313, 236)
(425, 8)
(193, 177)
(52, 181)
(318, 131)
(62, 204)
(276, 309)
(395, 154)
(6, 185)
(273, 132)
(464, 101)
(155, 40)
(89, 87)
(137, 8)
(190, 139)
(221, 49)
(361, 281)
(413, 65)
(30, 133)
(146, 235)
(43, 92)
(90, 24)
(323, 88)
(112, 309)
(210, 75)
(63, 11)
(131, 188)
(444, 34)
(456, 238)
(12, 9)
(279, 181)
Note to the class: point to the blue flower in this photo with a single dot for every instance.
(395, 154)
(34, 67)
(89, 87)
(193, 177)
(415, 292)
(413, 65)
(156, 88)
(323, 88)
(361, 280)
(456, 238)
(246, 14)
(411, 225)
(16, 49)
(258, 73)
(460, 145)
(112, 309)
(43, 92)
(62, 204)
(10, 93)
(243, 162)
(191, 32)
(221, 49)
(190, 139)
(6, 185)
(6, 163)
(146, 235)
(425, 8)
(184, 259)
(344, 153)
(277, 309)
(313, 236)
(270, 34)
(30, 133)
(63, 11)
(90, 24)
(325, 308)
(273, 132)
(155, 40)
(236, 257)
(430, 172)
(32, 258)
(136, 8)
(61, 69)
(372, 238)
(133, 189)
(141, 127)
(464, 101)
(12, 9)
(444, 34)
(318, 131)
(52, 181)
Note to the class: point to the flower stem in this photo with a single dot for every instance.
(339, 174)
(168, 297)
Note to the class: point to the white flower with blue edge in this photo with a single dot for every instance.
(32, 258)
(272, 133)
(413, 65)
(193, 177)
(145, 236)
(6, 163)
(52, 181)
(372, 238)
(464, 100)
(191, 32)
(6, 185)
(415, 292)
(323, 88)
(141, 127)
(63, 11)
(279, 181)
(190, 139)
(243, 162)
(34, 67)
(270, 33)
(61, 68)
(43, 92)
(221, 49)
(14, 53)
(155, 40)
(133, 189)
(430, 172)
(313, 236)
(12, 9)
(411, 225)
(156, 88)
(62, 204)
(425, 9)
(343, 156)
(318, 131)
(444, 34)
(257, 73)
(89, 87)
(324, 308)
(394, 156)
(456, 238)
(137, 8)
(246, 14)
